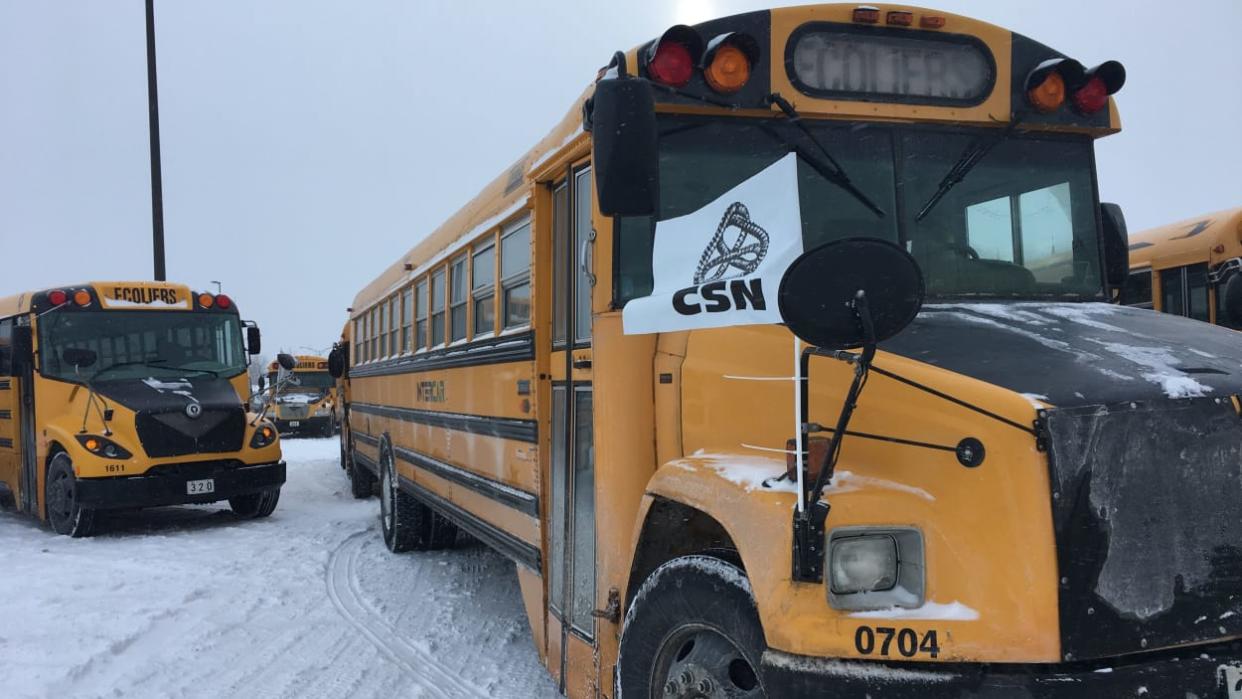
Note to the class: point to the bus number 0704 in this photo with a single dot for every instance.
(882, 639)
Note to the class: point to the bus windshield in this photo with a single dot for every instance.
(310, 381)
(141, 344)
(1021, 224)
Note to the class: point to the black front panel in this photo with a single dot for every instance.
(1147, 507)
(173, 433)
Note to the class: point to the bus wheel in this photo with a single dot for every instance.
(409, 525)
(692, 631)
(59, 494)
(255, 505)
(361, 482)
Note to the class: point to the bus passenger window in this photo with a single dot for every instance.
(382, 331)
(483, 281)
(407, 317)
(357, 341)
(1197, 292)
(1172, 295)
(420, 323)
(515, 276)
(6, 347)
(989, 229)
(1184, 291)
(394, 324)
(437, 307)
(1137, 289)
(457, 299)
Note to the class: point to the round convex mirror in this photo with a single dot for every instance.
(817, 292)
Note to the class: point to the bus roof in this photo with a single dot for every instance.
(110, 295)
(506, 197)
(1192, 240)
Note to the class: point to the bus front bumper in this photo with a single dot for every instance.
(306, 424)
(1197, 671)
(173, 486)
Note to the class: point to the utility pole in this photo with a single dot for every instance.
(157, 188)
(217, 286)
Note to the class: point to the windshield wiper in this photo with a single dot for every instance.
(137, 362)
(834, 174)
(213, 372)
(965, 163)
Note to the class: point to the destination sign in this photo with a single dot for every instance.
(143, 296)
(847, 65)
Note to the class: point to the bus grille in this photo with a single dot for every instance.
(1147, 510)
(294, 412)
(172, 433)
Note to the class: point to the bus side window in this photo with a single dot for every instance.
(1184, 291)
(1137, 289)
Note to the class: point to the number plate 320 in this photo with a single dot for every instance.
(200, 487)
(893, 641)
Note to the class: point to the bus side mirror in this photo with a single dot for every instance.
(78, 358)
(625, 147)
(1116, 245)
(286, 361)
(337, 360)
(1232, 300)
(254, 340)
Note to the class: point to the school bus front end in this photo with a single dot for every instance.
(133, 394)
(306, 404)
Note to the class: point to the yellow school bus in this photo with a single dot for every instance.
(1186, 268)
(306, 403)
(1037, 493)
(130, 394)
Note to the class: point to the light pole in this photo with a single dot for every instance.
(157, 187)
(213, 281)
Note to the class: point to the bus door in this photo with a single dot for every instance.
(570, 568)
(1184, 291)
(17, 452)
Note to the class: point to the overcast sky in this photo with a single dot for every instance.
(308, 144)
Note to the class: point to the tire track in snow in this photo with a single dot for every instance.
(342, 584)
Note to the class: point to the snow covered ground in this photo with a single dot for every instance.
(191, 602)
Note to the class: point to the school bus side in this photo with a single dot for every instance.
(1184, 268)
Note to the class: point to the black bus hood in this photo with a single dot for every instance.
(1073, 354)
(1144, 450)
(182, 416)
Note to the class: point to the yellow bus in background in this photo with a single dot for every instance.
(1037, 492)
(306, 403)
(1187, 268)
(130, 394)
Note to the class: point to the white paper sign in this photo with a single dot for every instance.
(722, 265)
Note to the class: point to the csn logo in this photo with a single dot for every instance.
(737, 249)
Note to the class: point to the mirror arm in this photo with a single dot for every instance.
(808, 558)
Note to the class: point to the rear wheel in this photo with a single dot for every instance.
(409, 525)
(255, 505)
(692, 631)
(64, 512)
(361, 482)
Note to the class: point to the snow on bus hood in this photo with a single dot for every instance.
(1076, 353)
(167, 393)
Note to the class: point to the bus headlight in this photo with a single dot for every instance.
(102, 447)
(323, 409)
(265, 435)
(875, 568)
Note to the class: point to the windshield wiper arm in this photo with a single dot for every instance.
(144, 362)
(213, 372)
(835, 174)
(965, 163)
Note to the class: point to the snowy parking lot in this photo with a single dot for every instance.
(192, 602)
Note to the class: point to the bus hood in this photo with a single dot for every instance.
(1073, 354)
(182, 416)
(1144, 452)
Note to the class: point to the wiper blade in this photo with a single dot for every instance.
(187, 368)
(142, 362)
(834, 174)
(965, 163)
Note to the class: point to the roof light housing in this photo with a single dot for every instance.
(1048, 83)
(82, 297)
(206, 300)
(671, 59)
(866, 14)
(57, 297)
(1098, 83)
(728, 61)
(223, 302)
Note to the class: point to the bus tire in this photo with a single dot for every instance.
(59, 497)
(406, 523)
(692, 630)
(255, 505)
(361, 482)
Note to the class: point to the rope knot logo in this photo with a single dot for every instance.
(749, 245)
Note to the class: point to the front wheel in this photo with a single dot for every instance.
(64, 513)
(407, 524)
(361, 482)
(255, 505)
(692, 631)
